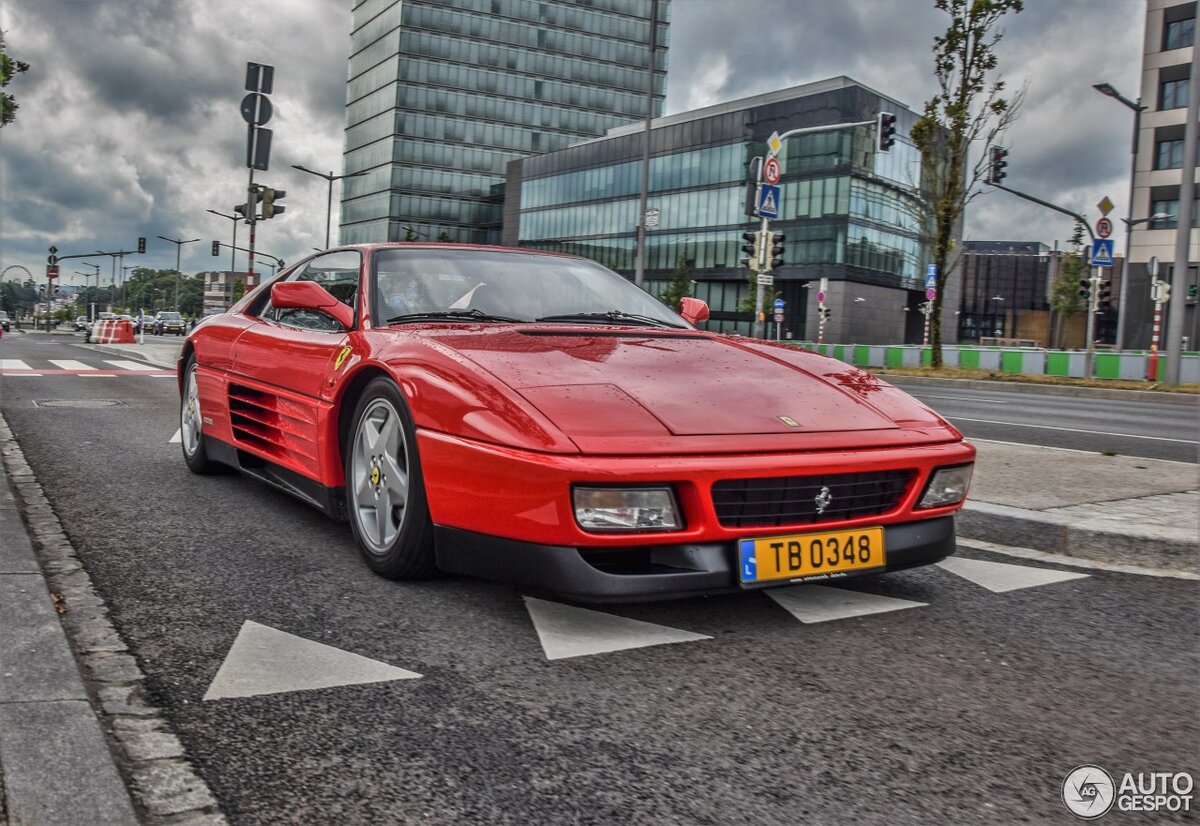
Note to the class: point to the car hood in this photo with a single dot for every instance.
(610, 384)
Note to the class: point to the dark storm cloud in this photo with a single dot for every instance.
(129, 119)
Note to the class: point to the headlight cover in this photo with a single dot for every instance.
(948, 486)
(617, 510)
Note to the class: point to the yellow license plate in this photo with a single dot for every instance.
(807, 555)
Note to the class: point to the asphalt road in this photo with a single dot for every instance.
(970, 707)
(1149, 429)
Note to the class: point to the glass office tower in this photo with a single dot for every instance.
(444, 93)
(850, 214)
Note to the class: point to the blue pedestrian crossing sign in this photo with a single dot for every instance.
(931, 277)
(768, 201)
(1102, 252)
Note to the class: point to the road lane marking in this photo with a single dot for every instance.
(177, 438)
(1074, 430)
(132, 365)
(822, 603)
(13, 364)
(988, 402)
(265, 660)
(999, 577)
(566, 631)
(71, 364)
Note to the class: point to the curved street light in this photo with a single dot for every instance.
(178, 246)
(329, 198)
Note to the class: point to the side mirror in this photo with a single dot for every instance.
(309, 295)
(693, 310)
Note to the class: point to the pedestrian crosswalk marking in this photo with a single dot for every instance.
(13, 364)
(265, 660)
(177, 438)
(566, 631)
(822, 603)
(999, 577)
(132, 365)
(70, 364)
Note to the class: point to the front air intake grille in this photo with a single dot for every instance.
(793, 500)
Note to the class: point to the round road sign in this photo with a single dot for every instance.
(256, 109)
(931, 293)
(820, 296)
(1104, 227)
(772, 170)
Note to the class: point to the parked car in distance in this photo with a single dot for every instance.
(169, 322)
(4, 321)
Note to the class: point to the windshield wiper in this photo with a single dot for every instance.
(449, 315)
(612, 316)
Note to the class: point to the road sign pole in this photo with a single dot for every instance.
(1093, 298)
(763, 259)
(1152, 364)
(927, 308)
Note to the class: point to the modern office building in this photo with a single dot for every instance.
(444, 93)
(1158, 164)
(849, 213)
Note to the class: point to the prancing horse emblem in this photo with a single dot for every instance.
(822, 500)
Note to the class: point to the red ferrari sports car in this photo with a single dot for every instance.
(537, 419)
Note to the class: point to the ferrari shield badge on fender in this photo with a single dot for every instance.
(341, 358)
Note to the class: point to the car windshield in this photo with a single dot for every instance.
(445, 284)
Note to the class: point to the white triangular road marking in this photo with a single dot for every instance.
(264, 660)
(999, 577)
(177, 438)
(821, 603)
(566, 631)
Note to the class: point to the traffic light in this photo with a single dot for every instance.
(997, 164)
(1160, 291)
(269, 206)
(775, 259)
(141, 244)
(1085, 288)
(885, 131)
(216, 248)
(248, 209)
(1105, 292)
(824, 313)
(750, 247)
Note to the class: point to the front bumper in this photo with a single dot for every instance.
(649, 572)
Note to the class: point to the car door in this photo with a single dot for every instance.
(290, 348)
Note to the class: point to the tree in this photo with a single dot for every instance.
(8, 68)
(1065, 301)
(444, 237)
(968, 108)
(680, 285)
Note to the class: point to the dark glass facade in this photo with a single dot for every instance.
(849, 213)
(444, 93)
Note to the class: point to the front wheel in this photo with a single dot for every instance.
(385, 490)
(191, 422)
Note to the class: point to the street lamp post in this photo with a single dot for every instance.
(232, 250)
(178, 246)
(1108, 90)
(329, 199)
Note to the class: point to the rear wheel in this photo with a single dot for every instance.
(191, 424)
(385, 490)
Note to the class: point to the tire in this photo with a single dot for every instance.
(385, 489)
(191, 424)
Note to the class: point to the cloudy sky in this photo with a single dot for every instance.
(129, 121)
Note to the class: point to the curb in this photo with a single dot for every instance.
(1055, 534)
(142, 757)
(899, 379)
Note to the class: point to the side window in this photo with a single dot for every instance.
(338, 273)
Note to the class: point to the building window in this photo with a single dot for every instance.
(1173, 94)
(1168, 155)
(1179, 34)
(1171, 208)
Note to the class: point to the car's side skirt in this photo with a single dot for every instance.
(330, 501)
